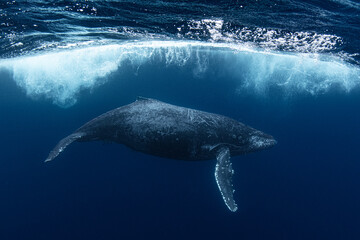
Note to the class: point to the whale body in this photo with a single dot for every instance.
(161, 129)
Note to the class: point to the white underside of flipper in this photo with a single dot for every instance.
(223, 176)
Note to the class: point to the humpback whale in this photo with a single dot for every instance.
(161, 129)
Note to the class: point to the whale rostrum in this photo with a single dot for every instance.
(161, 129)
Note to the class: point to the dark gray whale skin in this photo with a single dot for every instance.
(157, 128)
(161, 129)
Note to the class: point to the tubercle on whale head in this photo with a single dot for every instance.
(260, 140)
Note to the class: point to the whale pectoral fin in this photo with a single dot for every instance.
(63, 144)
(223, 176)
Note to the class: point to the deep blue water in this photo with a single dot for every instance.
(288, 68)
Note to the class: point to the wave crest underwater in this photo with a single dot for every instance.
(61, 75)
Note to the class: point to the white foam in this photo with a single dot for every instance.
(300, 73)
(272, 39)
(60, 75)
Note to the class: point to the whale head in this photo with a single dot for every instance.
(251, 141)
(259, 140)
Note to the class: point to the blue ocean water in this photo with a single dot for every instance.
(288, 68)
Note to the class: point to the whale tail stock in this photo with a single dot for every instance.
(63, 144)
